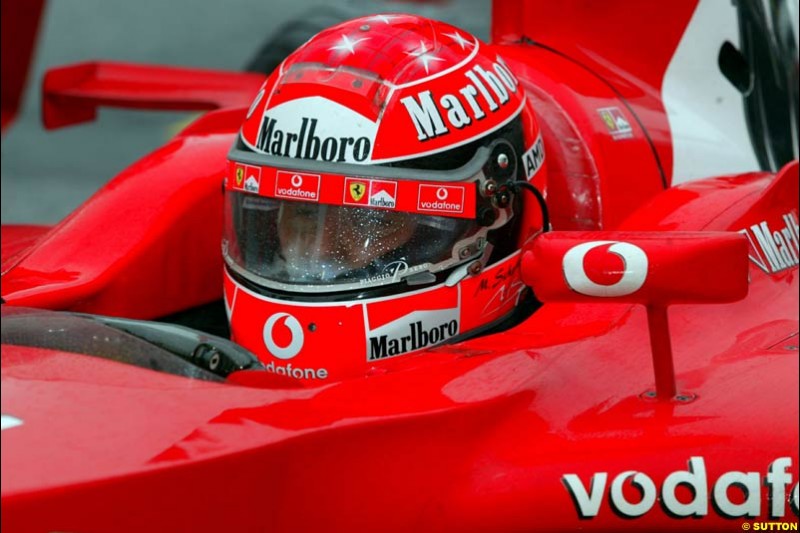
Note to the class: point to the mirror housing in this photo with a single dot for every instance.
(654, 269)
(650, 268)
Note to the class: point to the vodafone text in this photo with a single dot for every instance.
(440, 206)
(748, 484)
(385, 346)
(441, 199)
(471, 103)
(306, 145)
(298, 373)
(297, 186)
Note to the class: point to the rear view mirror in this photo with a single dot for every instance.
(654, 269)
(650, 268)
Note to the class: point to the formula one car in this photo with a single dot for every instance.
(655, 386)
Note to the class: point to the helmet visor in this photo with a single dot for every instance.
(284, 244)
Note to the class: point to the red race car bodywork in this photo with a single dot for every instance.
(656, 387)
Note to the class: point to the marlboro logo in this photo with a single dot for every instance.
(441, 199)
(372, 193)
(297, 186)
(486, 92)
(247, 178)
(304, 143)
(412, 332)
(775, 248)
(383, 194)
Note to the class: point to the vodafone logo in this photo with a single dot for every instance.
(705, 485)
(441, 199)
(296, 339)
(297, 186)
(633, 272)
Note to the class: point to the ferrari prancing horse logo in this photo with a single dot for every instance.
(239, 176)
(357, 190)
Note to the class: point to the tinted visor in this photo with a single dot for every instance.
(298, 225)
(284, 244)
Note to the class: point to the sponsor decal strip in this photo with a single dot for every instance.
(428, 198)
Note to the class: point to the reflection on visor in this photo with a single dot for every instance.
(319, 243)
(282, 243)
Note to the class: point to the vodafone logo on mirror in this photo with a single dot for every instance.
(631, 274)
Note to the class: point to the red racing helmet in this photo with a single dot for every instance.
(372, 208)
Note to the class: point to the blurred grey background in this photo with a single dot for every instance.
(47, 174)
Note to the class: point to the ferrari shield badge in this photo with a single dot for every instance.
(357, 190)
(618, 126)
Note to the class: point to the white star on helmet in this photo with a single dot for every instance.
(424, 55)
(347, 44)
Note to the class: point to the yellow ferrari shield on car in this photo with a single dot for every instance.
(357, 190)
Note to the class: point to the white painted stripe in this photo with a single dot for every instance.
(705, 112)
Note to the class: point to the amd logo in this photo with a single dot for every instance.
(534, 158)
